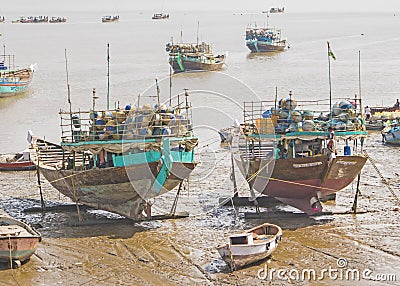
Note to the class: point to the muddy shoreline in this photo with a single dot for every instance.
(105, 249)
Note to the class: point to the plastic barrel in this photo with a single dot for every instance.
(347, 150)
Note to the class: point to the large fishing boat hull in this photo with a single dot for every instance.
(195, 66)
(262, 47)
(120, 190)
(300, 182)
(18, 241)
(13, 82)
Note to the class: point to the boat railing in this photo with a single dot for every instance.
(7, 62)
(288, 115)
(111, 125)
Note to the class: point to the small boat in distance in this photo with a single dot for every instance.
(260, 40)
(57, 20)
(2, 19)
(17, 162)
(251, 245)
(277, 10)
(109, 19)
(193, 57)
(159, 16)
(12, 79)
(18, 241)
(32, 19)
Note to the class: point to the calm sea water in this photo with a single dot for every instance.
(137, 48)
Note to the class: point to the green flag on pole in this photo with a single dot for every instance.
(330, 53)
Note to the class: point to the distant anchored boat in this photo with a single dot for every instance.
(264, 40)
(251, 245)
(192, 57)
(12, 79)
(108, 19)
(159, 16)
(32, 19)
(57, 20)
(18, 241)
(2, 19)
(277, 10)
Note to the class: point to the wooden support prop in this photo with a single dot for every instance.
(354, 207)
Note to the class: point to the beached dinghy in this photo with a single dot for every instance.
(251, 246)
(22, 238)
(17, 162)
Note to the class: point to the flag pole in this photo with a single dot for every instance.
(330, 87)
(108, 76)
(359, 81)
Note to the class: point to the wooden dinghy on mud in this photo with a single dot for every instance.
(18, 241)
(251, 246)
(17, 162)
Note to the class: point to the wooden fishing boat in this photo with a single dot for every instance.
(251, 245)
(194, 57)
(260, 40)
(118, 160)
(17, 162)
(13, 80)
(109, 19)
(18, 241)
(291, 155)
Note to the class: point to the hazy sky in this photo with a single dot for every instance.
(187, 5)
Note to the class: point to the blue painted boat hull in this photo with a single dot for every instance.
(13, 82)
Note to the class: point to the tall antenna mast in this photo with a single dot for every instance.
(359, 81)
(170, 86)
(158, 94)
(68, 89)
(108, 76)
(197, 39)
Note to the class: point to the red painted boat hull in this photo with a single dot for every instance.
(297, 181)
(17, 166)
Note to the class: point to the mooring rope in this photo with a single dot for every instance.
(382, 177)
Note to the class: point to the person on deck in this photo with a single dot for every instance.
(397, 104)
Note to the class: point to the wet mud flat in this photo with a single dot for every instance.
(105, 249)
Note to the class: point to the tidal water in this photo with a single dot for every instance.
(137, 58)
